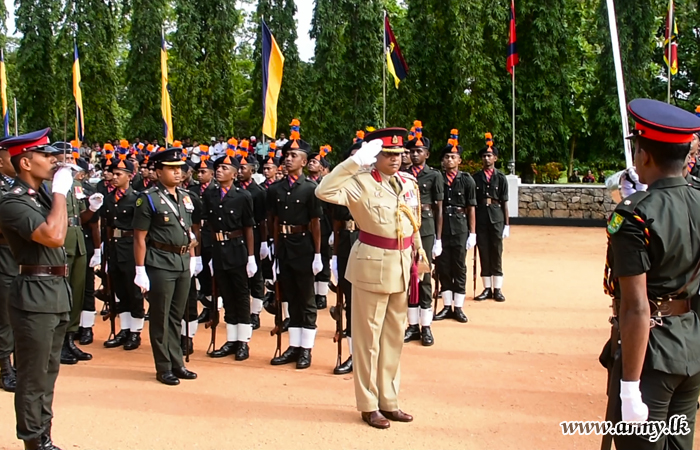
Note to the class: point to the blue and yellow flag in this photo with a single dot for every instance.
(165, 93)
(77, 93)
(394, 59)
(3, 93)
(273, 66)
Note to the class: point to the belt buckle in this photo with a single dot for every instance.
(285, 229)
(219, 236)
(117, 233)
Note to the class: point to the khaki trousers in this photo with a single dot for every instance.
(378, 322)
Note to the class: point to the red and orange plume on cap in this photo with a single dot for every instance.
(108, 147)
(177, 144)
(124, 143)
(418, 126)
(150, 148)
(294, 135)
(359, 136)
(75, 147)
(454, 140)
(326, 149)
(140, 146)
(273, 145)
(489, 140)
(231, 149)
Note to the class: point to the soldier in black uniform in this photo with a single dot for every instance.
(651, 272)
(294, 214)
(190, 320)
(458, 231)
(317, 163)
(229, 213)
(492, 221)
(8, 271)
(118, 216)
(34, 223)
(261, 250)
(431, 187)
(165, 262)
(205, 176)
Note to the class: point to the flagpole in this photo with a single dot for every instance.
(16, 118)
(669, 32)
(512, 164)
(620, 81)
(384, 70)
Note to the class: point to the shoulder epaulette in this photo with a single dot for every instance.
(694, 181)
(629, 204)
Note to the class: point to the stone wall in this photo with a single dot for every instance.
(565, 201)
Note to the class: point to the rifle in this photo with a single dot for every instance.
(213, 317)
(614, 365)
(339, 300)
(278, 294)
(474, 271)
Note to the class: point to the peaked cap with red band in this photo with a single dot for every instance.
(36, 141)
(392, 139)
(662, 122)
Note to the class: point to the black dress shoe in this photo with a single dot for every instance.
(168, 378)
(134, 341)
(187, 345)
(33, 444)
(229, 348)
(255, 321)
(321, 302)
(498, 295)
(427, 337)
(344, 368)
(47, 443)
(8, 377)
(79, 354)
(291, 355)
(444, 313)
(412, 334)
(67, 356)
(184, 374)
(119, 339)
(459, 315)
(86, 336)
(285, 325)
(304, 360)
(242, 352)
(203, 316)
(486, 295)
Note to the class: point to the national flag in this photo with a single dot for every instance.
(273, 66)
(394, 59)
(513, 58)
(3, 93)
(165, 93)
(78, 94)
(672, 28)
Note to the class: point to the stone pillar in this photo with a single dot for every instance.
(513, 188)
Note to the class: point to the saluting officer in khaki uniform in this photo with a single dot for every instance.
(383, 203)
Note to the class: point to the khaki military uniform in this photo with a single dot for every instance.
(379, 276)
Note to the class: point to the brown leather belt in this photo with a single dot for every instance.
(661, 308)
(488, 201)
(227, 235)
(44, 271)
(177, 249)
(293, 229)
(384, 242)
(74, 221)
(116, 233)
(455, 209)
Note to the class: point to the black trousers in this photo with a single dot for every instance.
(39, 337)
(89, 296)
(425, 297)
(121, 277)
(452, 264)
(7, 339)
(346, 286)
(257, 283)
(204, 276)
(296, 279)
(666, 395)
(232, 285)
(489, 241)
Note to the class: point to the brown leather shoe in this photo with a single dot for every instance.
(376, 419)
(397, 416)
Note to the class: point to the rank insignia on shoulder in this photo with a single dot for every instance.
(139, 202)
(615, 223)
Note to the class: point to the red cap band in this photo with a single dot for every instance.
(662, 136)
(18, 149)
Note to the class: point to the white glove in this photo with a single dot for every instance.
(317, 265)
(211, 267)
(141, 280)
(331, 239)
(251, 267)
(272, 249)
(275, 271)
(62, 181)
(195, 265)
(96, 201)
(437, 248)
(633, 408)
(629, 183)
(264, 251)
(106, 267)
(96, 258)
(471, 241)
(506, 232)
(367, 154)
(334, 268)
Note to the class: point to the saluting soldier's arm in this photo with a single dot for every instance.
(340, 186)
(52, 232)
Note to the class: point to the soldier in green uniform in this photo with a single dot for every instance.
(651, 272)
(35, 222)
(79, 212)
(164, 254)
(431, 187)
(8, 271)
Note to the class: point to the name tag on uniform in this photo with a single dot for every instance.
(410, 198)
(78, 191)
(188, 203)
